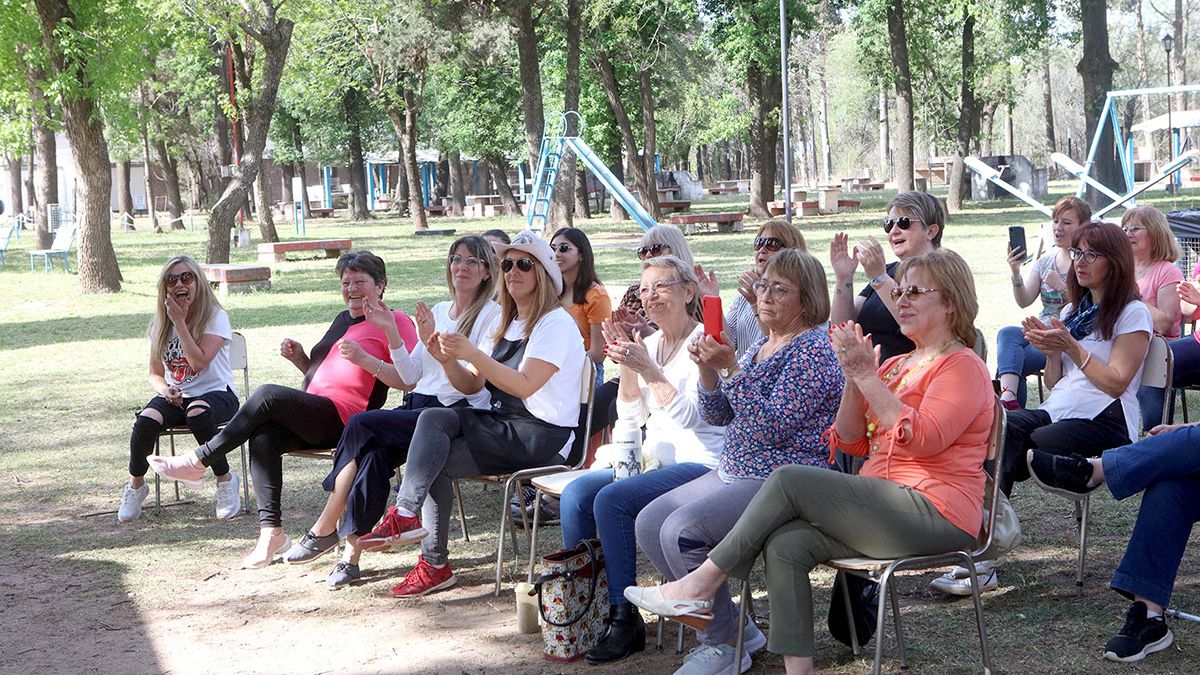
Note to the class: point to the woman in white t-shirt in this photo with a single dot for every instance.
(191, 378)
(1094, 358)
(533, 375)
(375, 442)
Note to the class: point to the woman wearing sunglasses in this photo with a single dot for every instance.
(584, 297)
(1094, 356)
(347, 371)
(191, 378)
(375, 442)
(531, 368)
(1046, 279)
(921, 419)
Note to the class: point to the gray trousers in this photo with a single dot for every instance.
(437, 456)
(804, 516)
(677, 531)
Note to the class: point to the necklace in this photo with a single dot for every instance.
(890, 375)
(664, 360)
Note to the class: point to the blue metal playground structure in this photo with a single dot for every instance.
(1124, 145)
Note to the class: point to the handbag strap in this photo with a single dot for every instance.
(571, 576)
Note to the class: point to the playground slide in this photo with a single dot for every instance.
(614, 186)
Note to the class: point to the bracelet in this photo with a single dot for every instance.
(1018, 282)
(1086, 360)
(879, 280)
(378, 367)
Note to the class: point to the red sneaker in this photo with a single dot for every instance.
(393, 530)
(423, 579)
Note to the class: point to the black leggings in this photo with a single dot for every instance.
(1026, 429)
(275, 420)
(201, 415)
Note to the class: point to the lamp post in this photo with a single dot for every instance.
(1168, 42)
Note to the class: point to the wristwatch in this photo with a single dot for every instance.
(728, 373)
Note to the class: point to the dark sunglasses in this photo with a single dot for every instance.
(523, 264)
(770, 243)
(651, 251)
(912, 292)
(561, 248)
(185, 277)
(902, 222)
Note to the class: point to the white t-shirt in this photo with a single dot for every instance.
(216, 377)
(1074, 396)
(675, 433)
(429, 375)
(555, 339)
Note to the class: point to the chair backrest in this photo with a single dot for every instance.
(980, 344)
(587, 394)
(1157, 370)
(239, 359)
(7, 237)
(991, 489)
(63, 238)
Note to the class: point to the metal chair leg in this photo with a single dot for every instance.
(895, 598)
(462, 518)
(505, 517)
(855, 648)
(679, 640)
(245, 481)
(977, 597)
(885, 581)
(658, 634)
(1083, 526)
(537, 513)
(740, 644)
(172, 439)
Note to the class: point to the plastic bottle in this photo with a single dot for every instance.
(627, 447)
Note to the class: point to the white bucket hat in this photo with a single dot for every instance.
(529, 242)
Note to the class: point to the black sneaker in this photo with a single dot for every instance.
(1139, 637)
(524, 501)
(1065, 475)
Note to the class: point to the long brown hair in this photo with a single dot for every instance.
(204, 306)
(545, 300)
(1120, 285)
(482, 250)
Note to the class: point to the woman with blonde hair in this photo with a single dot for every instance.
(191, 378)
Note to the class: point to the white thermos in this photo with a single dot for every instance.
(627, 449)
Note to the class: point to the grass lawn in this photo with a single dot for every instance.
(164, 593)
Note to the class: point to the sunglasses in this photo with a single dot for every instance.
(523, 264)
(902, 222)
(469, 261)
(651, 251)
(185, 277)
(770, 243)
(1089, 256)
(912, 292)
(561, 248)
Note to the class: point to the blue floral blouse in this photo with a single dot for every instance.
(776, 411)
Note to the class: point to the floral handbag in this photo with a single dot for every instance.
(572, 598)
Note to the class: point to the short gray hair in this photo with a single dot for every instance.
(669, 235)
(925, 208)
(682, 271)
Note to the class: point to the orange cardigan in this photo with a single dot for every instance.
(949, 407)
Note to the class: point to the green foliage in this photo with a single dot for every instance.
(746, 32)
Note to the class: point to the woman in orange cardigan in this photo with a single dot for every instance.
(922, 419)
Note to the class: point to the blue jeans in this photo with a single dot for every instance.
(1016, 356)
(1166, 469)
(1186, 352)
(593, 504)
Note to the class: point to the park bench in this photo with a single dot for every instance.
(725, 222)
(277, 251)
(778, 208)
(231, 278)
(675, 205)
(444, 232)
(320, 212)
(722, 190)
(848, 205)
(437, 209)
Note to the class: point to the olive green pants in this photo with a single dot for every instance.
(804, 516)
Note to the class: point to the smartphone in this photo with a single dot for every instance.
(1016, 239)
(714, 318)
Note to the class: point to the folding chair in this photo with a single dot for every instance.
(513, 481)
(64, 238)
(10, 232)
(883, 570)
(238, 360)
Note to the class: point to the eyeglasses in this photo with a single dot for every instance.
(1130, 231)
(523, 264)
(469, 261)
(1089, 256)
(658, 287)
(770, 243)
(185, 277)
(651, 251)
(902, 222)
(775, 290)
(912, 292)
(561, 248)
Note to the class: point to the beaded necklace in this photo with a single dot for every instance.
(872, 424)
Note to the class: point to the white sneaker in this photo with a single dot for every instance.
(950, 584)
(981, 568)
(713, 660)
(229, 497)
(131, 502)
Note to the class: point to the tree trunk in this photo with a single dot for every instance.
(124, 194)
(98, 270)
(1010, 136)
(649, 135)
(1096, 67)
(197, 189)
(443, 177)
(967, 111)
(148, 169)
(1048, 103)
(31, 201)
(358, 169)
(14, 183)
(898, 40)
(170, 169)
(582, 208)
(1179, 53)
(566, 202)
(275, 36)
(404, 123)
(45, 180)
(765, 94)
(298, 150)
(885, 139)
(495, 164)
(647, 191)
(521, 13)
(823, 120)
(458, 191)
(400, 198)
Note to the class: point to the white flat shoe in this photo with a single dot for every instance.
(695, 613)
(250, 564)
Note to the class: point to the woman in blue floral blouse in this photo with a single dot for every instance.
(774, 410)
